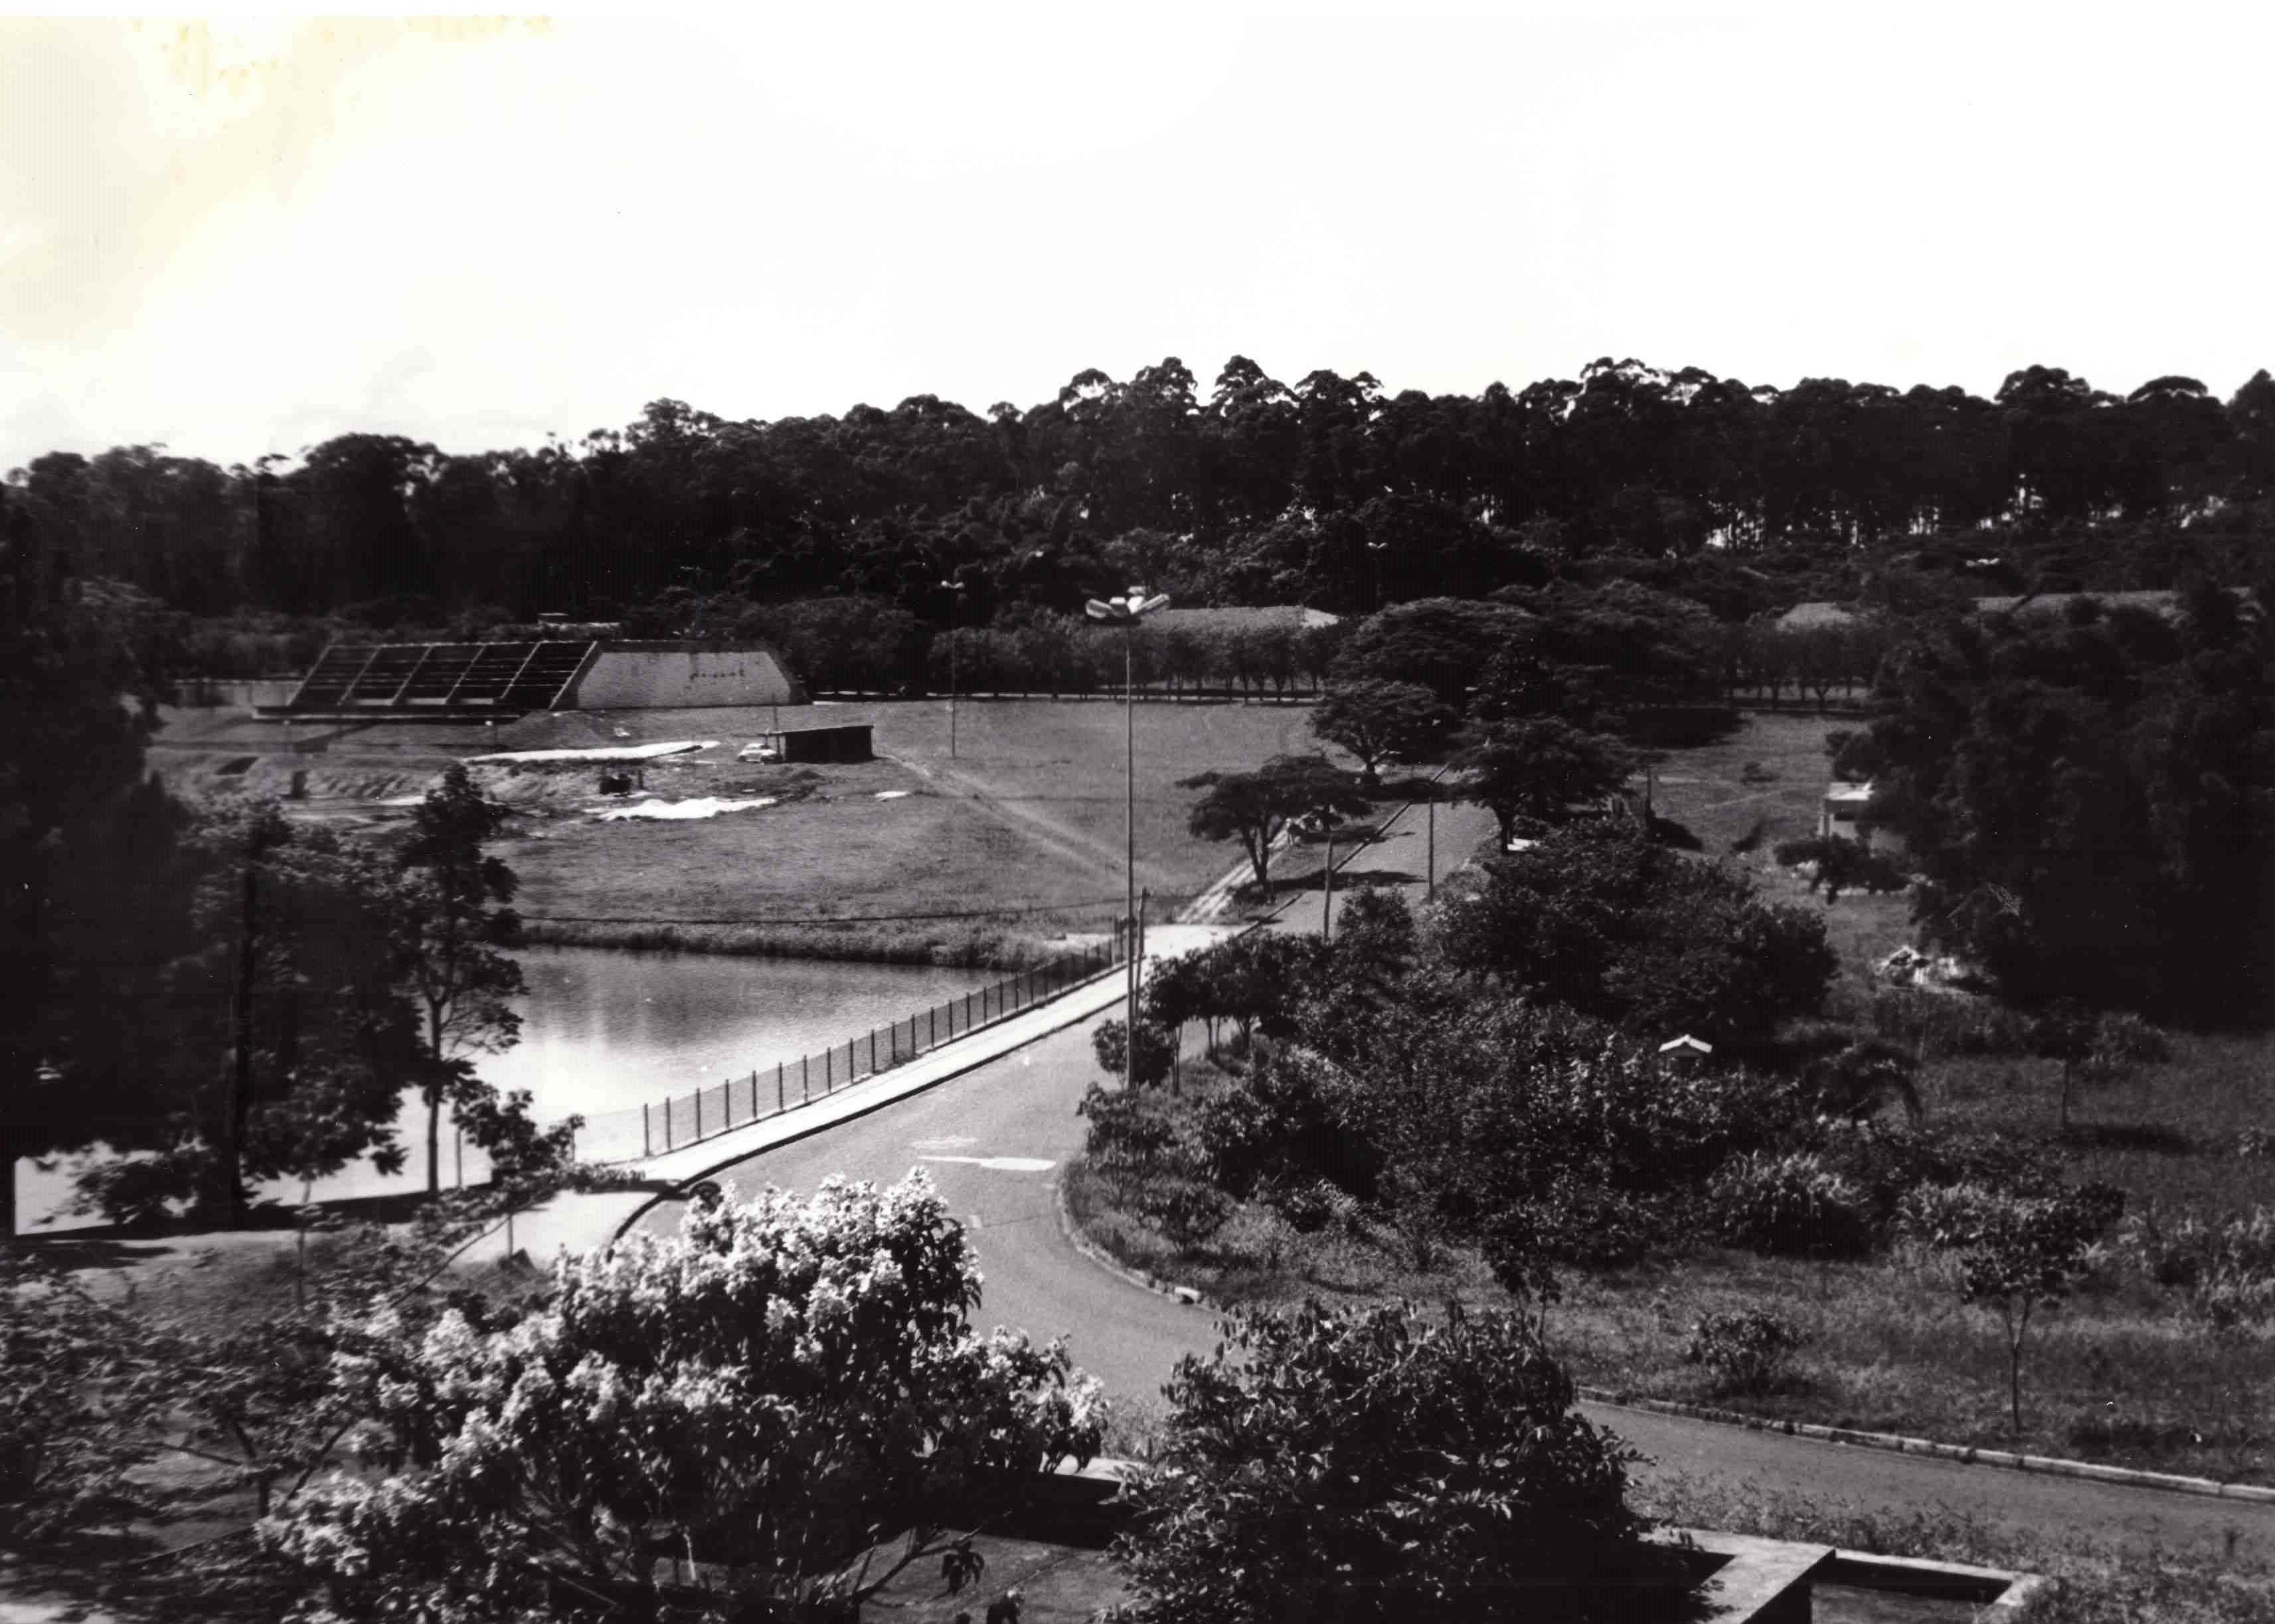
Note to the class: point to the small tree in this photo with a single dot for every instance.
(1375, 719)
(1253, 808)
(1374, 1466)
(2016, 1254)
(1157, 1051)
(453, 923)
(1539, 768)
(710, 1426)
(2064, 1031)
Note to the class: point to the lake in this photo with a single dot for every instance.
(604, 1031)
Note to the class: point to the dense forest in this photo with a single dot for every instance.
(1328, 492)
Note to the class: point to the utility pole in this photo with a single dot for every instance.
(1126, 613)
(1328, 894)
(955, 589)
(1430, 866)
(240, 1095)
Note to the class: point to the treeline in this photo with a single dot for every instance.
(1329, 492)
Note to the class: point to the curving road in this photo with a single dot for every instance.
(995, 1139)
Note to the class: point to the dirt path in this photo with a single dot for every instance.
(1022, 818)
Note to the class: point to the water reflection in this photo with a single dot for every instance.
(603, 1031)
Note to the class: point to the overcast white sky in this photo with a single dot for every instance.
(243, 239)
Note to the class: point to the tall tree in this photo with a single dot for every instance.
(1537, 769)
(454, 923)
(1374, 719)
(86, 918)
(1253, 808)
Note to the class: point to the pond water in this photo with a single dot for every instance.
(604, 1031)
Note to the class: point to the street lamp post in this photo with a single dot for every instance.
(1126, 613)
(955, 589)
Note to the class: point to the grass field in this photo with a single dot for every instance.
(1024, 823)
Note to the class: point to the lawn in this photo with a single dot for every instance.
(1028, 814)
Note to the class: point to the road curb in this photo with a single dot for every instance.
(1966, 1454)
(2052, 1466)
(1105, 1260)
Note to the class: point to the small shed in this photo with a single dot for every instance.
(848, 742)
(1843, 810)
(1685, 1048)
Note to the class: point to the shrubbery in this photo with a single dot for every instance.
(1748, 1350)
(1791, 1206)
(1598, 918)
(1373, 1466)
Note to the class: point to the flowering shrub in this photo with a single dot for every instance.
(1748, 1350)
(757, 1399)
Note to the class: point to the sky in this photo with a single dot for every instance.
(239, 239)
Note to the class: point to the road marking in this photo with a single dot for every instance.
(1000, 1164)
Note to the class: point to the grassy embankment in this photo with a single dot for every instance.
(992, 858)
(2117, 1374)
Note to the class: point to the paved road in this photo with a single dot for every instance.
(995, 1138)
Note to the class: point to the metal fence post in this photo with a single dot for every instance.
(805, 1074)
(647, 1149)
(667, 1122)
(828, 1070)
(778, 1088)
(699, 1114)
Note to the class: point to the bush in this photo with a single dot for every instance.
(1157, 1051)
(1842, 864)
(1125, 1136)
(2191, 1250)
(1888, 1162)
(1371, 1466)
(66, 1445)
(1944, 1023)
(1747, 1351)
(1187, 1210)
(1284, 1124)
(800, 1372)
(1306, 1208)
(1792, 1205)
(2124, 1037)
(1591, 1225)
(1618, 928)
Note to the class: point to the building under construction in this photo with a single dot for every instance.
(561, 671)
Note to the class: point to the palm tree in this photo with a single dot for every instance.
(1863, 1078)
